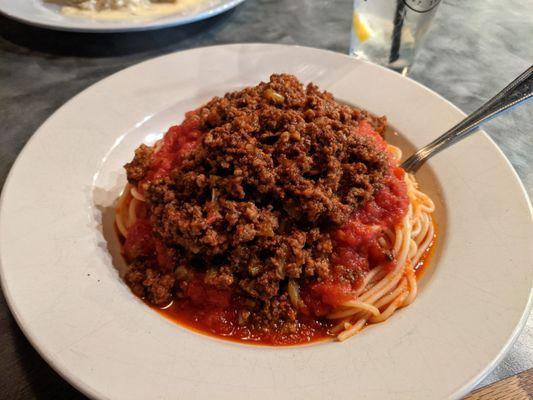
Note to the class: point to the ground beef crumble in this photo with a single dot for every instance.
(139, 166)
(278, 167)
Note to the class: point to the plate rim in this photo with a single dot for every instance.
(139, 26)
(91, 392)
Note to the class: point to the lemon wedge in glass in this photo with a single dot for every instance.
(361, 28)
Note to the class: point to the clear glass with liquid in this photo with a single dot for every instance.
(388, 32)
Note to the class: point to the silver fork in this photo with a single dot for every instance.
(517, 92)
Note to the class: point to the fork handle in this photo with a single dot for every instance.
(517, 92)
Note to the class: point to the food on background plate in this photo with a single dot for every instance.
(274, 215)
(123, 9)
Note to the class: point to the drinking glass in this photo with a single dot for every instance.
(388, 32)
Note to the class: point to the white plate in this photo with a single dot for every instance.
(64, 290)
(46, 15)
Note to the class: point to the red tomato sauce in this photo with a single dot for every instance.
(177, 142)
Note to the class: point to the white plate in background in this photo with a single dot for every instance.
(43, 14)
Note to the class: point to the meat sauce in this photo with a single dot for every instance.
(213, 311)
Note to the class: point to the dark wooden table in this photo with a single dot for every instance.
(473, 49)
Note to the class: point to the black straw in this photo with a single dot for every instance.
(397, 31)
